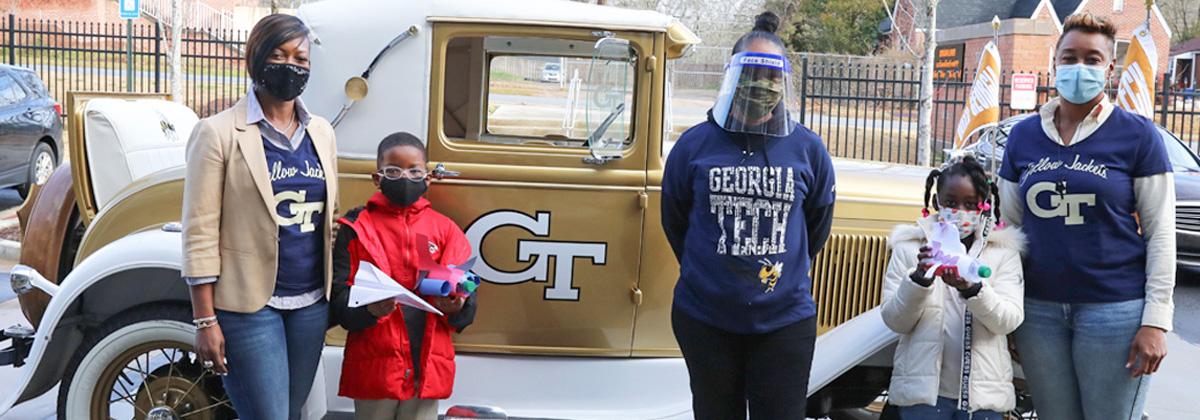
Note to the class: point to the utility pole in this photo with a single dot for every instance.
(177, 50)
(925, 122)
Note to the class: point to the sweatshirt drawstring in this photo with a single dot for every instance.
(748, 148)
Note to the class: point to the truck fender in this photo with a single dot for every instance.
(861, 340)
(138, 269)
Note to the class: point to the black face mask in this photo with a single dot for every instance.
(283, 81)
(402, 192)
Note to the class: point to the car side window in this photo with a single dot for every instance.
(10, 92)
(34, 83)
(536, 91)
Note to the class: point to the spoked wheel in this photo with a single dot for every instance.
(142, 366)
(132, 387)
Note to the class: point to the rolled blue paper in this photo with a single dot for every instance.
(434, 287)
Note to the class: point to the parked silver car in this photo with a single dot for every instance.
(30, 130)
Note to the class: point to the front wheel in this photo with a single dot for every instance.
(141, 365)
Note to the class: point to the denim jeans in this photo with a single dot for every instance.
(270, 352)
(1074, 359)
(946, 409)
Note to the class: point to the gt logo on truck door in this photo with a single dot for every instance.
(535, 251)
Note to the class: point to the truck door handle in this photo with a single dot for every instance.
(440, 172)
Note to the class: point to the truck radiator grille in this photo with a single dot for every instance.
(848, 278)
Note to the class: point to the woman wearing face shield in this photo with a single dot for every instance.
(259, 195)
(1099, 279)
(747, 203)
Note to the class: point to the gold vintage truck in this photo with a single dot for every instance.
(558, 192)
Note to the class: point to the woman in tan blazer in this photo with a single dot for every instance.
(259, 199)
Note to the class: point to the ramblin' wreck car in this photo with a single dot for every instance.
(557, 189)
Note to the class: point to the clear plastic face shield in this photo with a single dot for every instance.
(754, 95)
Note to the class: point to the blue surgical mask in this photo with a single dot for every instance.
(1079, 83)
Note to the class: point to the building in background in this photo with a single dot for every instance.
(1028, 33)
(1184, 59)
(221, 15)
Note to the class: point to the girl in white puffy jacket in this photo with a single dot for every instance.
(947, 322)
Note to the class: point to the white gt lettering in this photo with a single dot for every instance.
(536, 252)
(1061, 205)
(302, 213)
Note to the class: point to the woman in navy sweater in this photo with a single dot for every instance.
(1098, 279)
(747, 203)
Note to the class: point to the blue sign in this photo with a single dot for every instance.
(130, 9)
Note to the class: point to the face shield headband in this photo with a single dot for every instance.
(754, 95)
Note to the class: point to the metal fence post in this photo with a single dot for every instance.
(803, 89)
(12, 39)
(1165, 109)
(129, 55)
(157, 57)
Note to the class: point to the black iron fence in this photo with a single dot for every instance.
(864, 107)
(89, 56)
(871, 110)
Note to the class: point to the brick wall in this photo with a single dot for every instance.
(101, 11)
(1128, 19)
(1035, 51)
(1018, 52)
(905, 26)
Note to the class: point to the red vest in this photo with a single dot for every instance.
(378, 360)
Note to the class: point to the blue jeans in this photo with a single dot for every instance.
(946, 409)
(270, 351)
(1074, 359)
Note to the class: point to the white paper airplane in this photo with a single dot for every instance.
(372, 285)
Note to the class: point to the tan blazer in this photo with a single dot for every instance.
(229, 227)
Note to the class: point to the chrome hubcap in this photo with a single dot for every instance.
(161, 413)
(42, 168)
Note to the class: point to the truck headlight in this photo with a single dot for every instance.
(24, 278)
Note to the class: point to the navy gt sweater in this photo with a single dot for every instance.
(745, 215)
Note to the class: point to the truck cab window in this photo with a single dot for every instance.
(537, 92)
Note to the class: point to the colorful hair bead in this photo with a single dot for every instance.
(925, 212)
(985, 206)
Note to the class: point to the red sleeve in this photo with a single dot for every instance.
(455, 247)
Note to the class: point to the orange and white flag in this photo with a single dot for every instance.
(1136, 90)
(982, 109)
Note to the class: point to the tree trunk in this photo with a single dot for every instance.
(177, 50)
(925, 122)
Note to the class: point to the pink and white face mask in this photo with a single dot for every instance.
(967, 221)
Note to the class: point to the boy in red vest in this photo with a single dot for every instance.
(399, 361)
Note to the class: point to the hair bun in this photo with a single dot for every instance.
(766, 22)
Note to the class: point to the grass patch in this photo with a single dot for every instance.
(503, 76)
